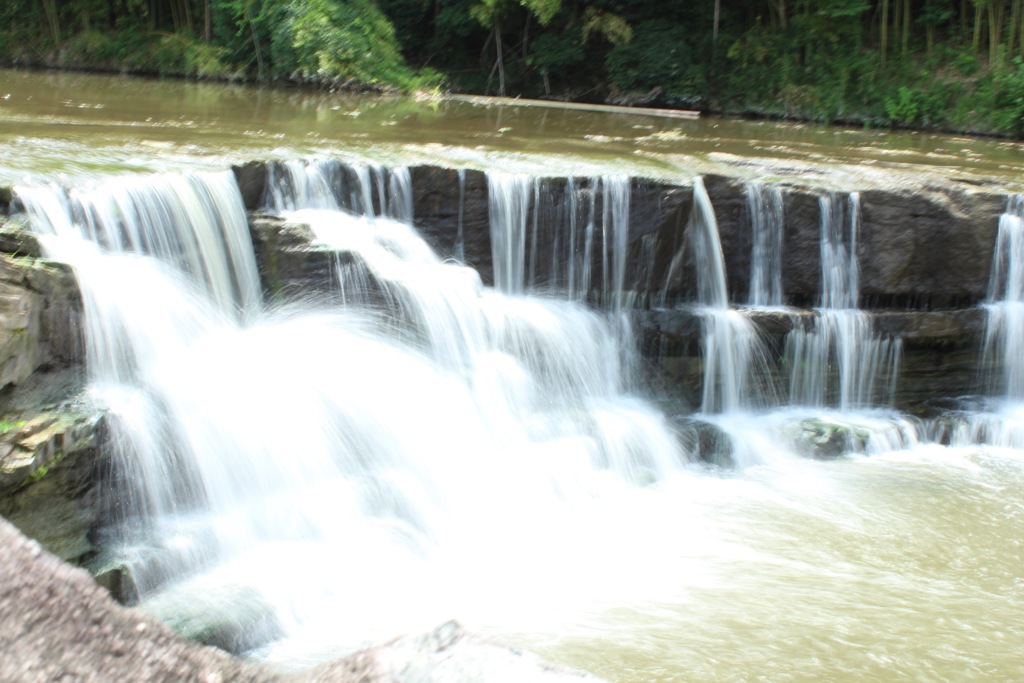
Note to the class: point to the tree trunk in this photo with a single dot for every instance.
(883, 48)
(1020, 30)
(501, 58)
(1011, 38)
(52, 21)
(255, 43)
(714, 31)
(995, 30)
(976, 41)
(905, 44)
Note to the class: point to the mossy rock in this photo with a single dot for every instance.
(16, 240)
(823, 439)
(704, 441)
(233, 618)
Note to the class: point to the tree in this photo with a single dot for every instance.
(490, 14)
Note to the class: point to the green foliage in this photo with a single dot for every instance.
(556, 52)
(612, 27)
(489, 11)
(1007, 98)
(336, 41)
(844, 9)
(659, 56)
(904, 109)
(8, 426)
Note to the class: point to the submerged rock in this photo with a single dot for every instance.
(820, 438)
(232, 618)
(703, 440)
(448, 654)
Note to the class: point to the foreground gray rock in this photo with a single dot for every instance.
(448, 654)
(57, 624)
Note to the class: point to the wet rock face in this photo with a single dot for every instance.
(40, 310)
(940, 351)
(290, 266)
(927, 249)
(49, 474)
(252, 183)
(438, 214)
(48, 451)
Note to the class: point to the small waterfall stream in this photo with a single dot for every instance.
(1004, 337)
(766, 210)
(840, 361)
(1001, 423)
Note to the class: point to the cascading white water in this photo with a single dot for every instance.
(840, 361)
(1004, 337)
(1002, 423)
(529, 218)
(314, 464)
(615, 224)
(729, 340)
(510, 197)
(767, 223)
(329, 184)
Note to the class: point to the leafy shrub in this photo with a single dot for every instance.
(904, 109)
(658, 56)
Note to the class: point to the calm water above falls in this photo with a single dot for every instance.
(479, 466)
(82, 124)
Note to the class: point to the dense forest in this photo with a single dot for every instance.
(947, 64)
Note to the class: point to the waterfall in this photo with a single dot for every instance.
(1004, 336)
(290, 459)
(509, 205)
(767, 222)
(460, 237)
(530, 216)
(615, 242)
(729, 339)
(330, 184)
(1002, 423)
(192, 223)
(839, 359)
(728, 336)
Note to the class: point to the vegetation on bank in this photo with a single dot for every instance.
(948, 64)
